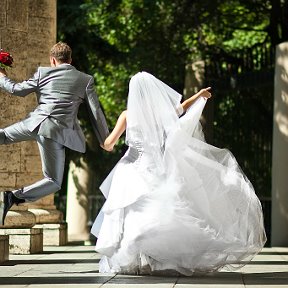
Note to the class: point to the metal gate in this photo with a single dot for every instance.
(243, 115)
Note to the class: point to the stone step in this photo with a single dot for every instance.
(54, 234)
(24, 240)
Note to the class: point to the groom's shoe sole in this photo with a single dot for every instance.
(2, 208)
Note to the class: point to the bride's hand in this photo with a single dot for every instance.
(118, 130)
(205, 92)
(106, 147)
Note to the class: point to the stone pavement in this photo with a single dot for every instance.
(77, 266)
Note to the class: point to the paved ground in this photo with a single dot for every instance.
(77, 266)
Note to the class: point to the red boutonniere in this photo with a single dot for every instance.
(6, 60)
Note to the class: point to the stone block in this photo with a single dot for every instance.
(29, 148)
(24, 241)
(25, 179)
(46, 215)
(51, 221)
(31, 164)
(7, 180)
(46, 202)
(54, 234)
(4, 248)
(10, 158)
(19, 218)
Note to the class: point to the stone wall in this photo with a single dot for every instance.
(27, 31)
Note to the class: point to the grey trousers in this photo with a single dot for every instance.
(52, 156)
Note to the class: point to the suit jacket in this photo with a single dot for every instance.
(60, 90)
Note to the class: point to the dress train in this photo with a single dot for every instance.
(201, 215)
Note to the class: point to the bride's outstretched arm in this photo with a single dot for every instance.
(116, 133)
(202, 93)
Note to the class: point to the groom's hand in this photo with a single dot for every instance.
(2, 72)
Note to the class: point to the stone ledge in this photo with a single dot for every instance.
(44, 216)
(19, 218)
(24, 241)
(4, 248)
(54, 234)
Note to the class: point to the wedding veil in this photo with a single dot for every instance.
(151, 114)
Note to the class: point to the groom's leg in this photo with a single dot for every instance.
(52, 156)
(12, 134)
(53, 161)
(16, 133)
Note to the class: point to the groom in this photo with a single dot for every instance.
(60, 89)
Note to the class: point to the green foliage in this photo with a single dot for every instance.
(113, 39)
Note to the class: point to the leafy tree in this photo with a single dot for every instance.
(113, 39)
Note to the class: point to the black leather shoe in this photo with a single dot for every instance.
(8, 199)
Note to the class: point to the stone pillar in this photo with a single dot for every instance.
(194, 81)
(77, 202)
(279, 230)
(27, 31)
(194, 78)
(42, 34)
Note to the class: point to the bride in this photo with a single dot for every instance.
(173, 202)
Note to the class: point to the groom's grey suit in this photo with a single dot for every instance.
(54, 124)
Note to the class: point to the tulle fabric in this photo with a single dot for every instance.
(198, 214)
(151, 115)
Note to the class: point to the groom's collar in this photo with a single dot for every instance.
(64, 64)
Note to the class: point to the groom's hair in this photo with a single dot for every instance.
(61, 52)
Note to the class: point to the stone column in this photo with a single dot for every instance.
(194, 81)
(14, 18)
(42, 36)
(27, 30)
(279, 235)
(194, 78)
(78, 202)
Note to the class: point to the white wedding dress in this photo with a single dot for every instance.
(174, 202)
